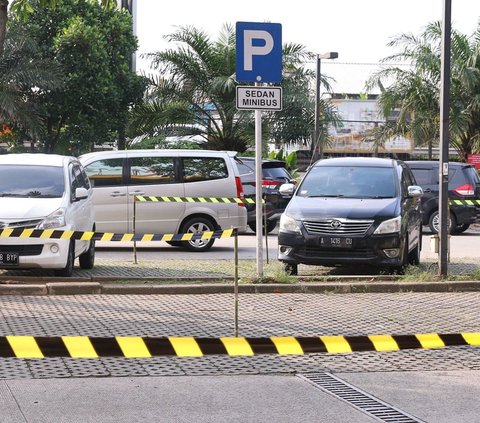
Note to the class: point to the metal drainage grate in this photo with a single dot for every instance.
(363, 401)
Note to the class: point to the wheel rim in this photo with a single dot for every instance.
(196, 228)
(436, 222)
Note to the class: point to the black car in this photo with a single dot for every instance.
(463, 184)
(274, 174)
(353, 211)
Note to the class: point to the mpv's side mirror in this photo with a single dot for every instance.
(287, 189)
(81, 193)
(415, 191)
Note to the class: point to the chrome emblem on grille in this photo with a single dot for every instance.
(335, 224)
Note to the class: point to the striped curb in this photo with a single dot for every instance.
(108, 236)
(216, 200)
(473, 202)
(146, 347)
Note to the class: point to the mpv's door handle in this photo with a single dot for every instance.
(137, 193)
(117, 194)
(427, 190)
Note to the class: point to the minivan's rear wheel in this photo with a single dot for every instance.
(87, 259)
(461, 228)
(271, 225)
(291, 269)
(68, 269)
(434, 222)
(198, 225)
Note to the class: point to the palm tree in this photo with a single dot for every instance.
(415, 91)
(195, 94)
(23, 77)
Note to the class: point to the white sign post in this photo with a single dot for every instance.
(259, 60)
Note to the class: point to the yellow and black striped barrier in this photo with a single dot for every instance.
(215, 200)
(145, 347)
(474, 202)
(109, 236)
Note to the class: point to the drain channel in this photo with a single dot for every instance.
(361, 400)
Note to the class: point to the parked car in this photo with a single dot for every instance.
(45, 191)
(274, 174)
(463, 184)
(118, 176)
(352, 211)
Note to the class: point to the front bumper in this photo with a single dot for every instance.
(369, 250)
(36, 253)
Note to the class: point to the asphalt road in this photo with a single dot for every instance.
(461, 246)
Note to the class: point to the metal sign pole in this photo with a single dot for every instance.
(444, 137)
(258, 189)
(134, 220)
(235, 285)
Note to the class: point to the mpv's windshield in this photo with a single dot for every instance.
(31, 181)
(349, 182)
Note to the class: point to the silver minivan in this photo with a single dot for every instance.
(118, 176)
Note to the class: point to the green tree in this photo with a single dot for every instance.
(195, 94)
(93, 46)
(415, 91)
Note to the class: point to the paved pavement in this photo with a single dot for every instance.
(438, 385)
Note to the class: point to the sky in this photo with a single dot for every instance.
(358, 30)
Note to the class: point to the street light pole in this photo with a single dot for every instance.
(316, 131)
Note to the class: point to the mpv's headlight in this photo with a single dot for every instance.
(288, 224)
(389, 226)
(54, 220)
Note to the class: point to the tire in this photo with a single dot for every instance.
(462, 228)
(87, 259)
(414, 256)
(291, 269)
(271, 225)
(434, 222)
(400, 269)
(196, 225)
(68, 269)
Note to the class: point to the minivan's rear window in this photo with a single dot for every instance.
(31, 181)
(349, 182)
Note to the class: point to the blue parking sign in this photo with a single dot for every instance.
(259, 52)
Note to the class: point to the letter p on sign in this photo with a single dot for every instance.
(259, 52)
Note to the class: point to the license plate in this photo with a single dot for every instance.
(9, 259)
(336, 242)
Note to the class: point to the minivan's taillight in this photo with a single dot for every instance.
(465, 189)
(268, 183)
(240, 193)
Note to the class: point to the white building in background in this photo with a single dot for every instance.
(359, 116)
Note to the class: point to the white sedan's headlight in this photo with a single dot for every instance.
(54, 220)
(288, 224)
(389, 226)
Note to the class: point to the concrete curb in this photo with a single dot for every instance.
(96, 288)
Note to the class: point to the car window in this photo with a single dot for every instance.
(31, 181)
(105, 173)
(276, 173)
(423, 176)
(152, 170)
(348, 181)
(204, 169)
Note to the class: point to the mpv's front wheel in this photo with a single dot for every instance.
(198, 225)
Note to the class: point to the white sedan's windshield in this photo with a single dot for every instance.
(348, 181)
(31, 181)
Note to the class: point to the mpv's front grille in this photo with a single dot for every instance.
(27, 224)
(337, 226)
(317, 252)
(22, 250)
